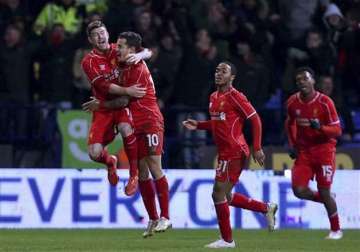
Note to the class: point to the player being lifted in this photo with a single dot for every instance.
(228, 110)
(149, 131)
(100, 66)
(312, 126)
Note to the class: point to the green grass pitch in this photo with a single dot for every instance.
(38, 240)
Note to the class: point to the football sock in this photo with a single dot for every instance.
(104, 158)
(241, 201)
(130, 146)
(147, 192)
(223, 216)
(317, 197)
(162, 189)
(334, 222)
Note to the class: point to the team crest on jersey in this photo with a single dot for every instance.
(297, 112)
(102, 67)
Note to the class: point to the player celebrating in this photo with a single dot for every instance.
(312, 126)
(100, 66)
(228, 110)
(149, 131)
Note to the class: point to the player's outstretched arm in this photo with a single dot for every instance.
(190, 124)
(94, 104)
(134, 58)
(133, 91)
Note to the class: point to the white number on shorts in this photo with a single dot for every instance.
(153, 140)
(327, 171)
(222, 165)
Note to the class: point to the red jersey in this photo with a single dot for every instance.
(145, 111)
(101, 70)
(228, 112)
(321, 107)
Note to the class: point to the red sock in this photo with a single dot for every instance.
(317, 197)
(223, 216)
(130, 146)
(241, 201)
(334, 222)
(104, 158)
(162, 189)
(148, 195)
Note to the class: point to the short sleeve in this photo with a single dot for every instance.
(242, 104)
(93, 73)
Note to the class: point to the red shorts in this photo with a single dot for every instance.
(320, 164)
(229, 170)
(150, 143)
(103, 125)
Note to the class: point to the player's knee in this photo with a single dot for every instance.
(125, 129)
(218, 193)
(299, 192)
(325, 194)
(95, 152)
(229, 197)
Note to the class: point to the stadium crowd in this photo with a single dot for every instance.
(43, 43)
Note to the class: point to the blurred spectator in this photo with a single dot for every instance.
(63, 12)
(326, 86)
(297, 16)
(253, 78)
(146, 26)
(317, 54)
(56, 62)
(15, 90)
(13, 11)
(192, 91)
(335, 24)
(15, 57)
(81, 82)
(164, 66)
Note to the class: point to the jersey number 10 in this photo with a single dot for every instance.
(153, 140)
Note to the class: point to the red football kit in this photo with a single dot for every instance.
(316, 148)
(101, 70)
(228, 111)
(146, 114)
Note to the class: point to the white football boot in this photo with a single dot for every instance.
(334, 235)
(271, 216)
(150, 229)
(221, 244)
(163, 224)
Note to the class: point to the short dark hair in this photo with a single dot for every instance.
(232, 66)
(133, 39)
(93, 25)
(305, 69)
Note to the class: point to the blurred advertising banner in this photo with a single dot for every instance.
(71, 198)
(277, 158)
(74, 127)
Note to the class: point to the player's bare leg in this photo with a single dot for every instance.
(162, 189)
(220, 190)
(331, 209)
(98, 153)
(268, 209)
(303, 192)
(130, 145)
(148, 195)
